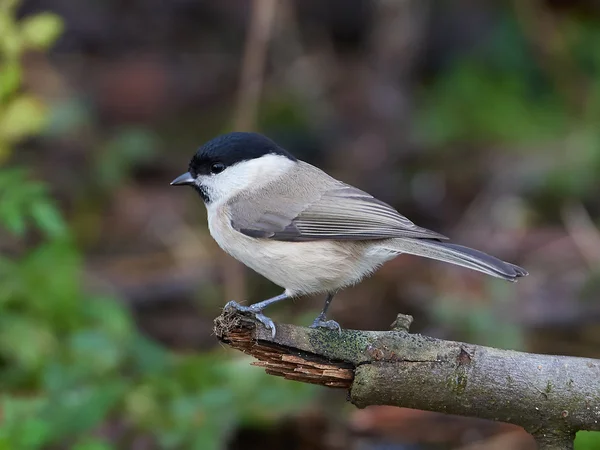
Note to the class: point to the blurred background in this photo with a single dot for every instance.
(477, 119)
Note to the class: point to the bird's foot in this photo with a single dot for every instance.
(320, 322)
(253, 311)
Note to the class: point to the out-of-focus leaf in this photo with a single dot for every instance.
(25, 341)
(10, 177)
(100, 353)
(136, 144)
(259, 397)
(142, 406)
(21, 428)
(109, 315)
(34, 433)
(40, 31)
(472, 105)
(10, 78)
(4, 152)
(60, 375)
(10, 41)
(48, 219)
(18, 195)
(587, 440)
(23, 117)
(92, 444)
(8, 6)
(81, 408)
(12, 215)
(149, 357)
(126, 149)
(54, 294)
(208, 437)
(9, 280)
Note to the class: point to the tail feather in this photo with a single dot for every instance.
(461, 256)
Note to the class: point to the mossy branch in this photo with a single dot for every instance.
(552, 397)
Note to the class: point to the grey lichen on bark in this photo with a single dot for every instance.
(552, 397)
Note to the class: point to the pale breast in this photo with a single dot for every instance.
(299, 267)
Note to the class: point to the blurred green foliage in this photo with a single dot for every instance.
(72, 364)
(507, 94)
(127, 149)
(587, 440)
(21, 115)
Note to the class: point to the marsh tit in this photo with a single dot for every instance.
(304, 230)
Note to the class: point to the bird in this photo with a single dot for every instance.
(304, 230)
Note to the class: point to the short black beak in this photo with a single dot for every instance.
(182, 180)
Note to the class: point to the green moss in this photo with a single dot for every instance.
(348, 346)
(461, 384)
(458, 381)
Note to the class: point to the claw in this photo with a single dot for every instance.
(252, 310)
(328, 324)
(268, 323)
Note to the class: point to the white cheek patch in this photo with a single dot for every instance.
(244, 175)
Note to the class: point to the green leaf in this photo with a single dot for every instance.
(58, 376)
(5, 151)
(10, 177)
(21, 199)
(54, 295)
(111, 316)
(9, 280)
(48, 219)
(40, 31)
(100, 353)
(16, 193)
(472, 102)
(587, 440)
(81, 408)
(25, 341)
(8, 5)
(148, 356)
(33, 433)
(23, 117)
(142, 406)
(21, 428)
(10, 41)
(12, 215)
(10, 78)
(124, 151)
(92, 444)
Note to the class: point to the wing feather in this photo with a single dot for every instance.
(342, 212)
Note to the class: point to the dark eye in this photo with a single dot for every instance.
(217, 168)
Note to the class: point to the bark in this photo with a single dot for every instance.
(550, 396)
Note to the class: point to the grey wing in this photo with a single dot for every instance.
(341, 213)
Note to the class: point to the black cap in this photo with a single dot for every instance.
(231, 148)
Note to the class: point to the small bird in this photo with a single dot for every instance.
(303, 229)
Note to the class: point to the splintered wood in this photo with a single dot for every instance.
(284, 362)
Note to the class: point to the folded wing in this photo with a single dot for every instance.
(342, 212)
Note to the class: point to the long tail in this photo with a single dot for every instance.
(459, 255)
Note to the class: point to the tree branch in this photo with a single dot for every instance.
(552, 397)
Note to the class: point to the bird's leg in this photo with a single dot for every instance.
(257, 308)
(321, 322)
